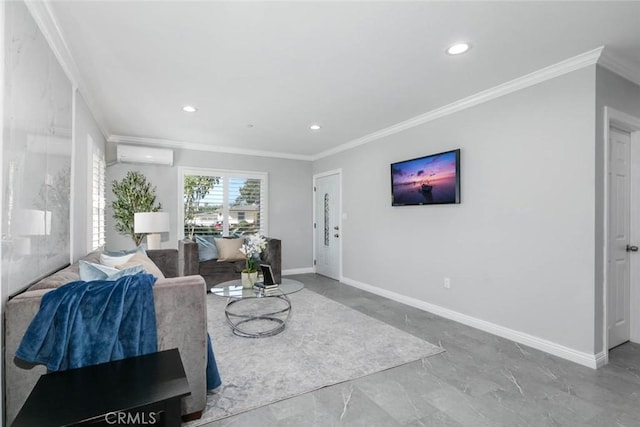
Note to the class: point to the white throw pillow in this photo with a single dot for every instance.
(147, 264)
(112, 261)
(91, 271)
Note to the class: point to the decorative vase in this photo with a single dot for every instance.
(248, 279)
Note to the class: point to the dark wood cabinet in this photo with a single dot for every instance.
(138, 391)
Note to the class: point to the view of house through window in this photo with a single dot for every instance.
(223, 203)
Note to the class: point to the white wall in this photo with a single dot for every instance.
(622, 95)
(85, 126)
(290, 199)
(519, 249)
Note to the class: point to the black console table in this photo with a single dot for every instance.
(143, 390)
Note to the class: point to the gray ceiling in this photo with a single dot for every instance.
(353, 67)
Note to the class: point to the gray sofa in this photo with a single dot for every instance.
(215, 272)
(181, 318)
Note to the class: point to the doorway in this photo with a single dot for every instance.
(327, 224)
(622, 269)
(621, 247)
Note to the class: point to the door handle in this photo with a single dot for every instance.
(336, 228)
(337, 235)
(632, 248)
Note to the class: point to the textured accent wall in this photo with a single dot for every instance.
(36, 154)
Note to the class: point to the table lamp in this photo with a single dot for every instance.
(27, 224)
(151, 224)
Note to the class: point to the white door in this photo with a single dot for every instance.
(620, 248)
(327, 233)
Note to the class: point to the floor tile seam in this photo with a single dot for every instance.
(377, 317)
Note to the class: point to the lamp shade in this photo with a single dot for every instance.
(151, 222)
(32, 222)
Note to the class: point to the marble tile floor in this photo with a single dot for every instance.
(481, 380)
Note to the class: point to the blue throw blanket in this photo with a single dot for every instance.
(86, 323)
(213, 376)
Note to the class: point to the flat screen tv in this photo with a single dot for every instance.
(428, 180)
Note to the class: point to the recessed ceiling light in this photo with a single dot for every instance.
(314, 127)
(189, 109)
(458, 48)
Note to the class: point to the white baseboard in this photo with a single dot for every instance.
(593, 361)
(601, 359)
(292, 271)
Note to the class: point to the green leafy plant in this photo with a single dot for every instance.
(249, 192)
(195, 189)
(133, 194)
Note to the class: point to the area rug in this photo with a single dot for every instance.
(324, 343)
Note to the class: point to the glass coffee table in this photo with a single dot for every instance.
(253, 313)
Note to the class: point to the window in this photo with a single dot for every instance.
(326, 219)
(223, 203)
(97, 200)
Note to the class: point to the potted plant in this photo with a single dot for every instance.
(133, 194)
(253, 246)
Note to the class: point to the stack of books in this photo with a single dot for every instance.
(260, 286)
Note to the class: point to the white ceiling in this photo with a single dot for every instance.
(354, 67)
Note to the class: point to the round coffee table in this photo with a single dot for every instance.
(270, 309)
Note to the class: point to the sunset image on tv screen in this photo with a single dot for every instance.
(427, 180)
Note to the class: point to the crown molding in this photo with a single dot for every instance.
(572, 64)
(613, 64)
(166, 143)
(48, 24)
(45, 18)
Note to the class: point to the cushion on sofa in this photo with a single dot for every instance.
(68, 274)
(113, 260)
(229, 249)
(207, 248)
(93, 256)
(57, 279)
(141, 259)
(91, 271)
(140, 248)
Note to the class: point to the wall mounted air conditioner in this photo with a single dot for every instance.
(141, 154)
